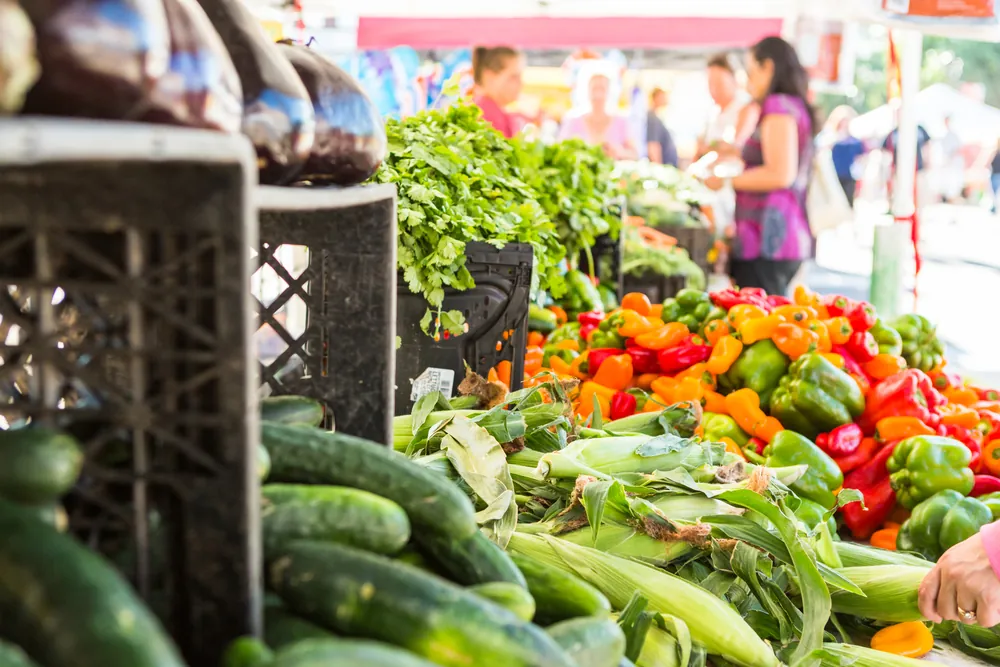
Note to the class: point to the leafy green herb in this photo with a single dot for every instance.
(641, 258)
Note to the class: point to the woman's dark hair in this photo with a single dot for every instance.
(491, 59)
(790, 77)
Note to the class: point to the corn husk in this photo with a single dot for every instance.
(853, 554)
(890, 593)
(849, 655)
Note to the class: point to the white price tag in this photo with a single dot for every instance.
(897, 6)
(433, 379)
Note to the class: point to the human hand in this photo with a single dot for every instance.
(714, 183)
(962, 579)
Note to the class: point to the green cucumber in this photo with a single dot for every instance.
(291, 410)
(38, 465)
(332, 513)
(364, 595)
(592, 641)
(247, 652)
(306, 455)
(509, 596)
(558, 595)
(282, 627)
(473, 560)
(263, 463)
(67, 607)
(13, 656)
(346, 653)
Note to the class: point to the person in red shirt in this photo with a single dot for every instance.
(497, 72)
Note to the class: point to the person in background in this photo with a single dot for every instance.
(922, 140)
(736, 113)
(952, 165)
(772, 235)
(964, 584)
(598, 127)
(659, 142)
(845, 152)
(497, 72)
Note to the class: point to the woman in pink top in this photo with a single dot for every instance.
(964, 586)
(498, 73)
(600, 128)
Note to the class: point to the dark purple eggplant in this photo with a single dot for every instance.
(277, 112)
(350, 139)
(18, 67)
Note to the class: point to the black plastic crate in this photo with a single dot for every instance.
(326, 289)
(608, 255)
(698, 241)
(657, 287)
(127, 321)
(497, 305)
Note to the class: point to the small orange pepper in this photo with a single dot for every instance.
(885, 539)
(638, 302)
(561, 316)
(645, 381)
(715, 402)
(824, 345)
(585, 407)
(795, 314)
(533, 360)
(834, 359)
(615, 372)
(891, 429)
(863, 384)
(504, 371)
(535, 339)
(959, 415)
(655, 403)
(715, 330)
(665, 386)
(575, 365)
(743, 406)
(742, 312)
(758, 329)
(732, 447)
(656, 310)
(803, 296)
(768, 429)
(840, 330)
(961, 395)
(884, 365)
(991, 457)
(635, 324)
(689, 389)
(589, 388)
(568, 344)
(910, 640)
(794, 341)
(725, 352)
(699, 372)
(665, 337)
(560, 367)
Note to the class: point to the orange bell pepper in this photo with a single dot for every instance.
(991, 457)
(665, 387)
(715, 402)
(794, 341)
(503, 371)
(589, 388)
(615, 372)
(840, 330)
(961, 395)
(884, 365)
(758, 329)
(743, 406)
(891, 429)
(885, 539)
(954, 414)
(725, 352)
(635, 324)
(910, 640)
(655, 403)
(825, 345)
(638, 302)
(535, 339)
(645, 381)
(834, 359)
(533, 360)
(715, 330)
(656, 310)
(665, 337)
(732, 447)
(575, 365)
(742, 312)
(799, 315)
(568, 345)
(561, 316)
(689, 389)
(585, 406)
(560, 367)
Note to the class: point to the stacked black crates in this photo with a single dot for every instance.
(126, 321)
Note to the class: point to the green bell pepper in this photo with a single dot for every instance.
(922, 348)
(992, 501)
(759, 367)
(942, 521)
(671, 310)
(816, 397)
(541, 319)
(823, 476)
(723, 426)
(582, 296)
(690, 321)
(689, 299)
(888, 339)
(550, 351)
(812, 514)
(921, 466)
(568, 331)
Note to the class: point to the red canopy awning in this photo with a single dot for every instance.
(562, 33)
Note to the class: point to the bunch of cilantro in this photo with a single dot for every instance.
(458, 180)
(577, 188)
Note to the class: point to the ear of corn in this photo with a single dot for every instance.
(858, 555)
(627, 542)
(849, 655)
(890, 593)
(603, 457)
(712, 623)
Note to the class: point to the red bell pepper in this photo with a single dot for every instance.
(970, 437)
(943, 380)
(862, 346)
(987, 394)
(985, 484)
(757, 445)
(908, 393)
(823, 441)
(623, 405)
(851, 365)
(861, 456)
(776, 301)
(728, 298)
(861, 315)
(590, 319)
(683, 356)
(989, 424)
(872, 480)
(844, 440)
(643, 360)
(837, 305)
(597, 357)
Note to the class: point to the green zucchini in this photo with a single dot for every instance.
(509, 596)
(13, 656)
(263, 463)
(559, 596)
(291, 410)
(38, 465)
(364, 595)
(247, 652)
(67, 607)
(282, 627)
(332, 513)
(346, 653)
(592, 641)
(473, 560)
(306, 455)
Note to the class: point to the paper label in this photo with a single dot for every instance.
(433, 379)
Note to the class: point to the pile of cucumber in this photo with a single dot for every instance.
(374, 560)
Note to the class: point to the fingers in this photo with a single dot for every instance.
(988, 608)
(947, 602)
(929, 595)
(966, 600)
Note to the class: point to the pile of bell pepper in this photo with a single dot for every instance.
(814, 380)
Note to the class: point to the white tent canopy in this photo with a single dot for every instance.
(973, 121)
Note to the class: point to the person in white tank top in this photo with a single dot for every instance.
(735, 115)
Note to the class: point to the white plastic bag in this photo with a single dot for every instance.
(826, 204)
